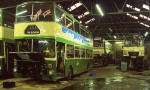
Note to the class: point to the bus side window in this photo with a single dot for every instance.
(8, 20)
(70, 51)
(83, 32)
(69, 23)
(77, 27)
(77, 52)
(87, 53)
(82, 53)
(91, 53)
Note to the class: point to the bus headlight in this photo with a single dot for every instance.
(15, 70)
(51, 72)
(49, 65)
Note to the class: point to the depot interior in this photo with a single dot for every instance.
(120, 29)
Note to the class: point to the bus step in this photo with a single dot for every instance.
(60, 74)
(59, 77)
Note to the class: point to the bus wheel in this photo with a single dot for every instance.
(70, 74)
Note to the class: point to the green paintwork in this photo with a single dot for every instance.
(7, 40)
(34, 37)
(48, 77)
(58, 39)
(78, 65)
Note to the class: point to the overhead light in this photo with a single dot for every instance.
(110, 29)
(115, 36)
(21, 12)
(132, 16)
(78, 4)
(84, 14)
(143, 24)
(99, 10)
(144, 17)
(91, 20)
(146, 6)
(60, 6)
(73, 7)
(136, 9)
(129, 6)
(146, 34)
(133, 8)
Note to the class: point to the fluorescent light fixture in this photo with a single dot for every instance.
(110, 29)
(91, 20)
(144, 17)
(133, 8)
(146, 6)
(127, 5)
(143, 24)
(146, 34)
(60, 6)
(136, 9)
(83, 15)
(132, 16)
(99, 10)
(78, 4)
(73, 7)
(115, 37)
(21, 12)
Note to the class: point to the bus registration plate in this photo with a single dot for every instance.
(133, 56)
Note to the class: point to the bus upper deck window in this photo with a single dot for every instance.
(33, 12)
(60, 17)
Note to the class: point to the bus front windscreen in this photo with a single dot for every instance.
(34, 12)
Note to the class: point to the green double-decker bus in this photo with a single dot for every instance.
(50, 43)
(6, 42)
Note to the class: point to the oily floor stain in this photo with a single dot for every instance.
(89, 84)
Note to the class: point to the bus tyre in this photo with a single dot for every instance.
(70, 74)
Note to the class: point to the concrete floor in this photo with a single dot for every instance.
(106, 78)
